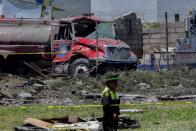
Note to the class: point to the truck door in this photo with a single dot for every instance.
(60, 40)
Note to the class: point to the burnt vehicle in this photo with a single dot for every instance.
(78, 52)
(65, 43)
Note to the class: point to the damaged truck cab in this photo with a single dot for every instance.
(74, 53)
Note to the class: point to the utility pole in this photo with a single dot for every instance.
(97, 48)
(167, 38)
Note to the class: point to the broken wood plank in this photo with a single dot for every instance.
(38, 123)
(36, 70)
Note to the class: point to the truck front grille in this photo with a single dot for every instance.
(115, 53)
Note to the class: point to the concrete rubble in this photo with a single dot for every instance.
(26, 96)
(143, 86)
(63, 123)
(16, 90)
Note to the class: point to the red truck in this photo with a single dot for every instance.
(65, 42)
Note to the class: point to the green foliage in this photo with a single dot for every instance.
(155, 25)
(165, 79)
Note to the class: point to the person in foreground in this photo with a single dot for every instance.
(110, 102)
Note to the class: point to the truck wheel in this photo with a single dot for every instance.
(79, 67)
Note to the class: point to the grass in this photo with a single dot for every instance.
(154, 25)
(163, 117)
(163, 79)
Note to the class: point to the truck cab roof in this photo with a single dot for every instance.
(82, 19)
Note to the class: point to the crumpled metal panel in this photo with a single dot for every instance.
(18, 9)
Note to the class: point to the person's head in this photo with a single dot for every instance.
(111, 81)
(113, 84)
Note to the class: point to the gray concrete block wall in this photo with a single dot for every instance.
(133, 38)
(156, 37)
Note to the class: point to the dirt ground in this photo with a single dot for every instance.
(20, 90)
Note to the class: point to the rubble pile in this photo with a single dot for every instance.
(15, 90)
(135, 86)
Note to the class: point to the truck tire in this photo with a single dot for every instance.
(78, 67)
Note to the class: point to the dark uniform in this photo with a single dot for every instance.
(110, 101)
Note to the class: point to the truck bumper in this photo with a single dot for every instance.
(119, 65)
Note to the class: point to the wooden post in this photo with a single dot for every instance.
(97, 48)
(167, 38)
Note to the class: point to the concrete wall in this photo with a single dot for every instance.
(174, 7)
(131, 33)
(109, 9)
(72, 7)
(156, 37)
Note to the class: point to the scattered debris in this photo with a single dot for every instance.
(26, 96)
(36, 70)
(180, 86)
(132, 111)
(64, 123)
(83, 92)
(79, 83)
(32, 81)
(38, 87)
(91, 96)
(68, 102)
(171, 98)
(2, 95)
(10, 85)
(38, 123)
(152, 99)
(126, 122)
(132, 98)
(74, 123)
(143, 86)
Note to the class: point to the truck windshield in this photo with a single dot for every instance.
(84, 29)
(105, 30)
